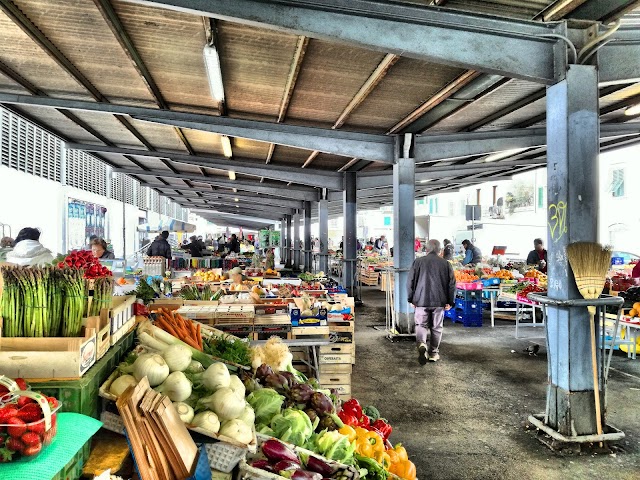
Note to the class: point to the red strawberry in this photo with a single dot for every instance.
(22, 384)
(53, 402)
(7, 412)
(16, 427)
(37, 427)
(30, 413)
(15, 444)
(22, 401)
(30, 439)
(32, 450)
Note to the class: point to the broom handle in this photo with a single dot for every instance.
(596, 384)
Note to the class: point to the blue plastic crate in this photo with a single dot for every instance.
(450, 314)
(469, 306)
(502, 304)
(617, 260)
(490, 282)
(469, 319)
(469, 294)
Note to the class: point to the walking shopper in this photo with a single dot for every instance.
(472, 254)
(28, 250)
(160, 246)
(431, 290)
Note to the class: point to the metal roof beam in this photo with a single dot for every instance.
(262, 199)
(437, 35)
(299, 193)
(378, 148)
(115, 24)
(232, 205)
(619, 58)
(266, 215)
(317, 178)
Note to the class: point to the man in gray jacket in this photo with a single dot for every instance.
(431, 290)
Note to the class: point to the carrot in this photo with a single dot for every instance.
(191, 343)
(199, 335)
(171, 330)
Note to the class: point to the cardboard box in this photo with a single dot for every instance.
(38, 359)
(102, 325)
(121, 311)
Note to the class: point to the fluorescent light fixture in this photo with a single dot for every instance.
(232, 175)
(635, 110)
(226, 146)
(214, 74)
(426, 181)
(236, 199)
(504, 154)
(235, 190)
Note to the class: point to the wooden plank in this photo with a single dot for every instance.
(338, 348)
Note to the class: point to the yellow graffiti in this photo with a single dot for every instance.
(557, 220)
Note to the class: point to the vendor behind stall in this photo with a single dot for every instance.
(538, 256)
(194, 248)
(100, 249)
(472, 254)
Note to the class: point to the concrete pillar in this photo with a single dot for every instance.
(323, 218)
(289, 243)
(350, 211)
(296, 241)
(307, 237)
(572, 176)
(404, 180)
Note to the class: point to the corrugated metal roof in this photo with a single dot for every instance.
(255, 66)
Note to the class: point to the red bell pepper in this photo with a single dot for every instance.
(352, 407)
(383, 427)
(348, 419)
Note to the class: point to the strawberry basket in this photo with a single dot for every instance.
(28, 422)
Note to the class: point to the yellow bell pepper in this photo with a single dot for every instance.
(348, 432)
(369, 443)
(401, 452)
(404, 469)
(383, 459)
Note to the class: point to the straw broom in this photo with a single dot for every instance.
(590, 263)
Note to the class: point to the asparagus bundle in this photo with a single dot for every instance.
(74, 301)
(102, 293)
(12, 305)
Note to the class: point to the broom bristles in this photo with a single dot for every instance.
(590, 263)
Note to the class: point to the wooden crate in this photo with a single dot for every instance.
(46, 358)
(121, 311)
(342, 333)
(334, 358)
(267, 326)
(338, 348)
(229, 314)
(333, 368)
(102, 326)
(166, 303)
(319, 333)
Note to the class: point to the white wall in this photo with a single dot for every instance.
(30, 201)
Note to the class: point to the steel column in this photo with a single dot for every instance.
(349, 250)
(323, 218)
(572, 176)
(296, 240)
(307, 237)
(404, 180)
(289, 244)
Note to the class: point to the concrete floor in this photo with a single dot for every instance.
(464, 417)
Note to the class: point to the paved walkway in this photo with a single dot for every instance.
(463, 417)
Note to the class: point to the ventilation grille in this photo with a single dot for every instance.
(27, 148)
(86, 172)
(142, 197)
(155, 201)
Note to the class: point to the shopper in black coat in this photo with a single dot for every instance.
(160, 246)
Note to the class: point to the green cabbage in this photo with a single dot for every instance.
(334, 446)
(293, 426)
(266, 403)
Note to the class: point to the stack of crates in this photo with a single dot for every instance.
(336, 360)
(468, 309)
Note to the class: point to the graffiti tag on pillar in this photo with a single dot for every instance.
(557, 220)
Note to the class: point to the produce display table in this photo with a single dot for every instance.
(632, 334)
(311, 344)
(523, 309)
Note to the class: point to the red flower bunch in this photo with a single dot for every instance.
(85, 260)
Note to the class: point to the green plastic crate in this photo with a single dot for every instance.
(81, 396)
(73, 469)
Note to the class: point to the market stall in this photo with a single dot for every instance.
(167, 368)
